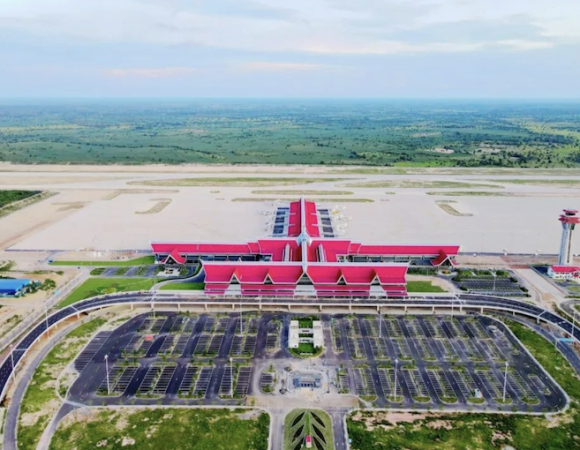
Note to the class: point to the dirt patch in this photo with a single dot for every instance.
(118, 192)
(387, 420)
(446, 205)
(157, 208)
(127, 441)
(48, 409)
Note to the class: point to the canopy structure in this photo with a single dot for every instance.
(303, 261)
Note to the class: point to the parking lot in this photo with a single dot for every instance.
(186, 358)
(441, 362)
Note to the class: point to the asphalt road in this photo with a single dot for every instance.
(470, 301)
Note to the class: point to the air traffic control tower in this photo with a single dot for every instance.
(569, 221)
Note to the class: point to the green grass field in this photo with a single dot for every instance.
(165, 428)
(416, 184)
(40, 400)
(183, 287)
(10, 196)
(423, 286)
(100, 286)
(486, 431)
(232, 181)
(144, 260)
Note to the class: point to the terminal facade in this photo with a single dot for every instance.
(304, 258)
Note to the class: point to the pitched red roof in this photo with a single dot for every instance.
(565, 269)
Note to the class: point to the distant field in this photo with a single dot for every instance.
(426, 184)
(472, 194)
(573, 183)
(232, 182)
(300, 192)
(379, 133)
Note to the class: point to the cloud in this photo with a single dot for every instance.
(267, 66)
(163, 72)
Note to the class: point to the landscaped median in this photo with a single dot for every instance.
(183, 287)
(40, 401)
(100, 286)
(143, 261)
(164, 428)
(377, 430)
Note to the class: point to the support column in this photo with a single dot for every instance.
(131, 306)
(205, 306)
(289, 306)
(433, 309)
(179, 306)
(320, 307)
(481, 310)
(405, 309)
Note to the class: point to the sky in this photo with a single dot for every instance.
(298, 48)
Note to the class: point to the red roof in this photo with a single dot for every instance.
(565, 269)
(201, 249)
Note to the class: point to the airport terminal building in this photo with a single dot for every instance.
(303, 257)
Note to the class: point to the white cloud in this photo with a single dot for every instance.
(163, 72)
(340, 27)
(267, 66)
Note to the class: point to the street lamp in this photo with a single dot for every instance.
(395, 390)
(231, 378)
(505, 380)
(107, 369)
(573, 321)
(380, 324)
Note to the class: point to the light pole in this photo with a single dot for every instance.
(231, 378)
(505, 380)
(494, 277)
(107, 369)
(241, 319)
(395, 390)
(452, 307)
(12, 359)
(380, 325)
(573, 322)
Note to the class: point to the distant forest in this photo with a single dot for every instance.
(374, 133)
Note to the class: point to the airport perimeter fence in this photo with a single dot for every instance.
(36, 314)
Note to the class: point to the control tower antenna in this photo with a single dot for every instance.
(569, 221)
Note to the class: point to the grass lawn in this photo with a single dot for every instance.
(302, 422)
(426, 184)
(40, 400)
(100, 286)
(233, 181)
(183, 287)
(164, 428)
(485, 431)
(303, 193)
(144, 260)
(423, 286)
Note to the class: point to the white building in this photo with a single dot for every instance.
(297, 335)
(564, 273)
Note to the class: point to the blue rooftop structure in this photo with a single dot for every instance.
(13, 287)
